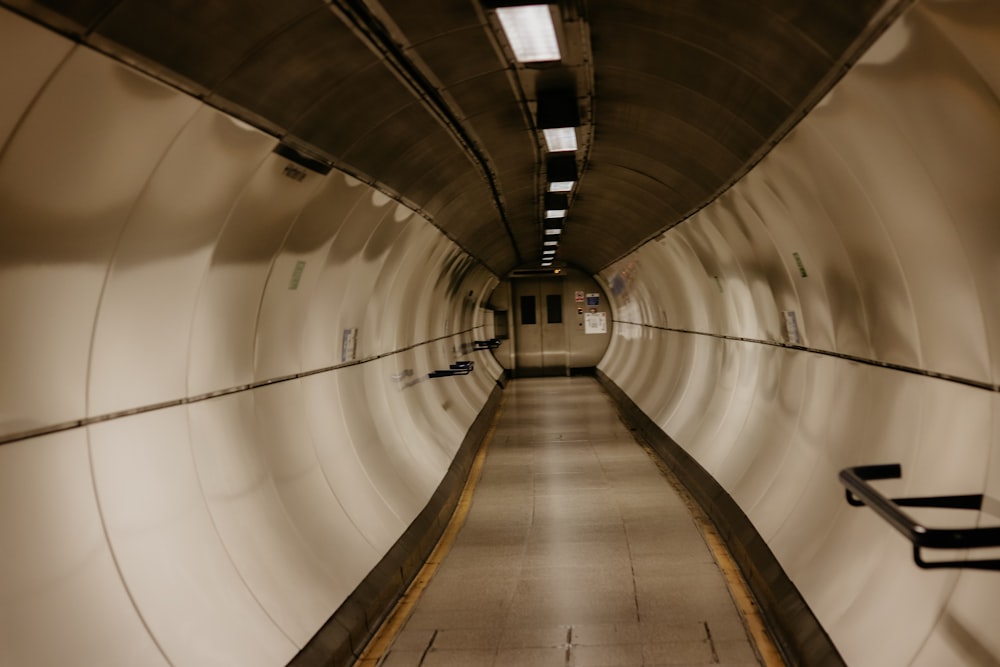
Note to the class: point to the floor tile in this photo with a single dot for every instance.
(606, 634)
(436, 658)
(611, 655)
(678, 653)
(533, 657)
(535, 636)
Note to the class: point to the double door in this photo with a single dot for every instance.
(540, 340)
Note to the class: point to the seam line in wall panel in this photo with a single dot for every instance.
(113, 258)
(77, 423)
(114, 556)
(30, 106)
(969, 382)
(223, 544)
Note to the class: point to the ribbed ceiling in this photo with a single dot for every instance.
(678, 97)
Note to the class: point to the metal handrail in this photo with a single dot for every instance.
(457, 368)
(860, 493)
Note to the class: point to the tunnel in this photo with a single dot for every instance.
(268, 273)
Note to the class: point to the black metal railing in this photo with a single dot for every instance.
(457, 368)
(860, 493)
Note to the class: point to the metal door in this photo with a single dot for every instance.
(540, 330)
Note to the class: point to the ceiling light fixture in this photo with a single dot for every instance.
(559, 213)
(561, 186)
(560, 139)
(552, 243)
(553, 232)
(531, 33)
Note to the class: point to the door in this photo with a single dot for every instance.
(540, 331)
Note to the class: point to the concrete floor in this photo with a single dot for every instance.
(576, 552)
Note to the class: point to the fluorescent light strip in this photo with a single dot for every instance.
(560, 139)
(530, 31)
(555, 213)
(552, 243)
(552, 232)
(561, 186)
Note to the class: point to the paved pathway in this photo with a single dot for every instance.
(576, 552)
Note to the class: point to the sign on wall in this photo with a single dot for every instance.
(349, 346)
(593, 299)
(595, 323)
(579, 296)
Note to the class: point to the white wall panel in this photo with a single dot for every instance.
(833, 319)
(93, 136)
(375, 460)
(289, 581)
(418, 470)
(62, 601)
(143, 330)
(285, 310)
(384, 250)
(355, 271)
(320, 344)
(355, 490)
(177, 568)
(770, 430)
(307, 495)
(226, 316)
(916, 226)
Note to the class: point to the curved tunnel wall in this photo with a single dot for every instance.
(195, 468)
(875, 221)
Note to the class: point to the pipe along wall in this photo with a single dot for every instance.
(195, 471)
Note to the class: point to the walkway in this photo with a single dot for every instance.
(576, 552)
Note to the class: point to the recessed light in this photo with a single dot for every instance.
(531, 33)
(553, 232)
(561, 213)
(559, 139)
(561, 186)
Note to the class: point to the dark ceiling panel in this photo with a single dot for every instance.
(830, 24)
(626, 87)
(75, 16)
(309, 61)
(202, 41)
(477, 57)
(685, 66)
(422, 21)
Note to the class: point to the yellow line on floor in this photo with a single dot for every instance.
(766, 649)
(380, 643)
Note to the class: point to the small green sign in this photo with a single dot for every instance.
(798, 262)
(297, 274)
